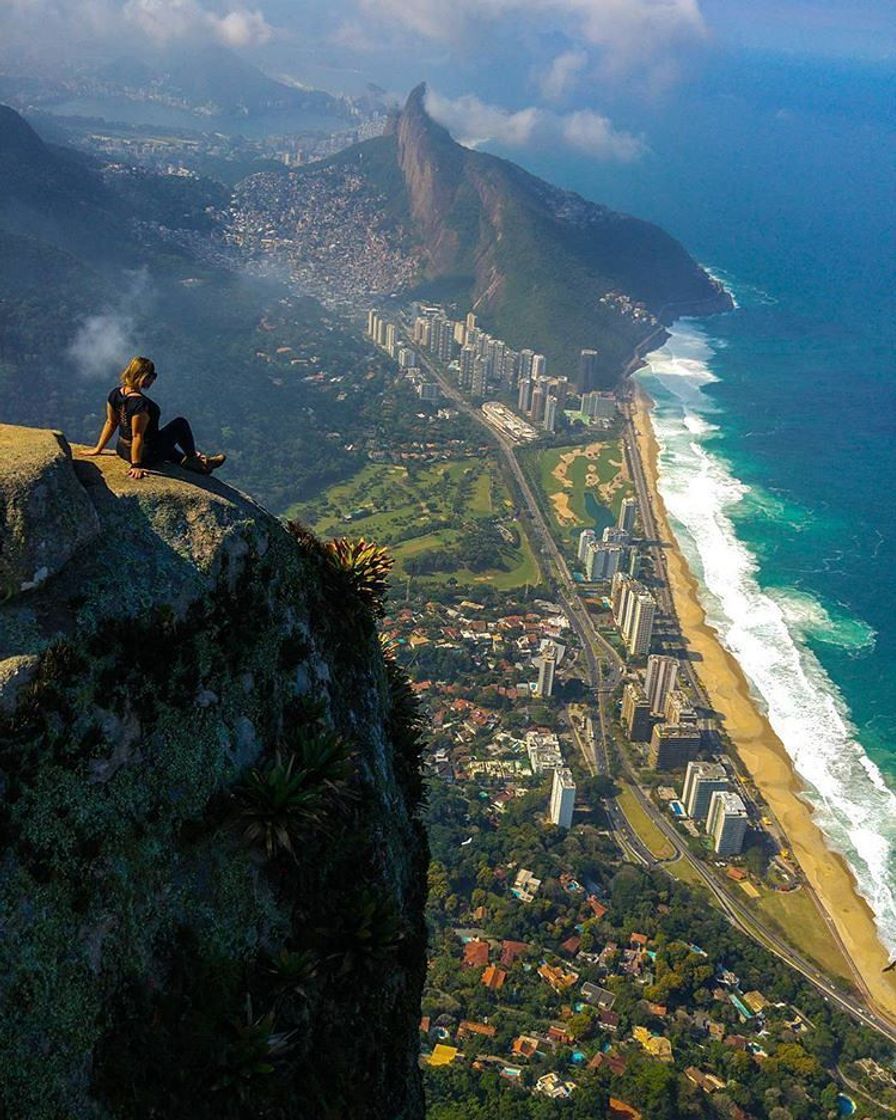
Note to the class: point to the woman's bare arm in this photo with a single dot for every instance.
(106, 434)
(138, 427)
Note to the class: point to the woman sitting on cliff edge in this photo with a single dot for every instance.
(141, 442)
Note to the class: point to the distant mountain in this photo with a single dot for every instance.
(218, 82)
(61, 197)
(543, 267)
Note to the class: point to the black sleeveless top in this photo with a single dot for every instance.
(128, 405)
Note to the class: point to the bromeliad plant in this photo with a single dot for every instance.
(367, 566)
(294, 793)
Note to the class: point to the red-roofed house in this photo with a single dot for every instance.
(494, 978)
(597, 908)
(468, 1027)
(572, 945)
(559, 1035)
(476, 954)
(510, 950)
(525, 1047)
(639, 939)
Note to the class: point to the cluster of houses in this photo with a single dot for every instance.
(466, 717)
(749, 1017)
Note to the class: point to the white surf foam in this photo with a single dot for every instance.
(768, 632)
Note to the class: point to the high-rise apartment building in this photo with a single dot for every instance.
(586, 537)
(539, 395)
(390, 339)
(679, 708)
(638, 634)
(620, 588)
(662, 674)
(726, 823)
(563, 798)
(599, 406)
(602, 561)
(672, 746)
(613, 535)
(471, 321)
(587, 373)
(539, 365)
(701, 781)
(524, 395)
(550, 413)
(479, 383)
(627, 513)
(465, 367)
(547, 665)
(524, 364)
(636, 713)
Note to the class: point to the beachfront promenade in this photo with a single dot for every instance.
(605, 669)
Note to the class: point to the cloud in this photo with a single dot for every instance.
(610, 37)
(169, 20)
(473, 122)
(562, 73)
(104, 342)
(31, 23)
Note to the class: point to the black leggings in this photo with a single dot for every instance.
(172, 444)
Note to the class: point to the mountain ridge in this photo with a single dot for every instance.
(542, 266)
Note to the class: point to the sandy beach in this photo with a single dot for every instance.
(764, 757)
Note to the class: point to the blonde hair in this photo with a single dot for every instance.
(136, 372)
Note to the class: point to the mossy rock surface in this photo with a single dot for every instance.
(185, 640)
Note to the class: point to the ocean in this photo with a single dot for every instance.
(777, 421)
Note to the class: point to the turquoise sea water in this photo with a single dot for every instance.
(778, 420)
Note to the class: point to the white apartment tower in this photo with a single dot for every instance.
(614, 535)
(563, 798)
(550, 413)
(627, 512)
(662, 675)
(726, 823)
(547, 665)
(538, 365)
(639, 632)
(479, 383)
(701, 781)
(586, 537)
(602, 560)
(525, 364)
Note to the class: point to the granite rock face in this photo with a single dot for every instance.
(45, 516)
(159, 957)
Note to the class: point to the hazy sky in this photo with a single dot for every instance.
(505, 70)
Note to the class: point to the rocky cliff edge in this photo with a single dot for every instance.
(212, 880)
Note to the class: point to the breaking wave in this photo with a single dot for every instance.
(771, 631)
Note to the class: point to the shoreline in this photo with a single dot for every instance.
(763, 755)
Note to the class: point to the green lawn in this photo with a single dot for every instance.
(797, 917)
(415, 510)
(648, 833)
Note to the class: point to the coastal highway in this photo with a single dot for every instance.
(597, 650)
(739, 915)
